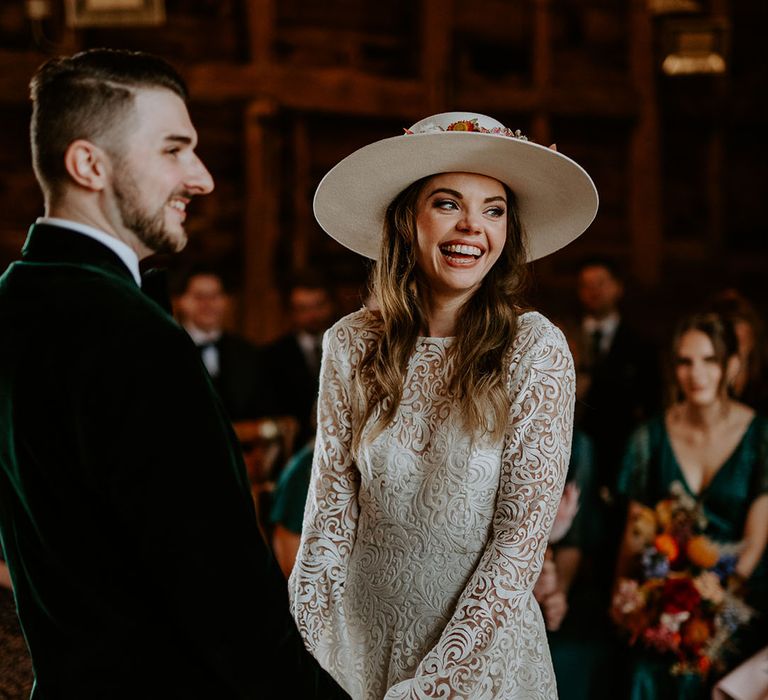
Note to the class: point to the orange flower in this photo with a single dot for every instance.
(704, 665)
(696, 632)
(702, 552)
(465, 125)
(664, 513)
(667, 545)
(643, 523)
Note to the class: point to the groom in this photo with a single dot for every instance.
(125, 513)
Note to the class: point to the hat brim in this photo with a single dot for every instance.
(557, 199)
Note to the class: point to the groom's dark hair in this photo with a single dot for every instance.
(89, 96)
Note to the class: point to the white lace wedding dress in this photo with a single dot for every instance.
(417, 561)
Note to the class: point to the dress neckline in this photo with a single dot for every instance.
(683, 478)
(435, 338)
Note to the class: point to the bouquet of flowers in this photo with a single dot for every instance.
(681, 602)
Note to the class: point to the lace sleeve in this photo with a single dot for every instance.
(316, 584)
(494, 646)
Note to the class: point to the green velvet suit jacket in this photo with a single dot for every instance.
(125, 512)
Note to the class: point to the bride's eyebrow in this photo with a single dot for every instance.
(445, 190)
(458, 195)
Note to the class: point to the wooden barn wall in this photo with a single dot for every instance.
(283, 89)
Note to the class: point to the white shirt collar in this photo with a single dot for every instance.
(307, 341)
(607, 326)
(122, 250)
(200, 337)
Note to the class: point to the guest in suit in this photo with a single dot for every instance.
(618, 379)
(126, 520)
(294, 359)
(235, 365)
(617, 386)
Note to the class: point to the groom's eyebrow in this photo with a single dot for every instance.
(178, 138)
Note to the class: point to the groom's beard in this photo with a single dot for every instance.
(149, 227)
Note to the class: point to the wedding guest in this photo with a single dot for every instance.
(617, 386)
(444, 423)
(580, 637)
(236, 366)
(128, 527)
(568, 544)
(288, 501)
(618, 372)
(750, 385)
(293, 360)
(716, 449)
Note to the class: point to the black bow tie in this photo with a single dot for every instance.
(154, 283)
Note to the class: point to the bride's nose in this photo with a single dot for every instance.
(470, 222)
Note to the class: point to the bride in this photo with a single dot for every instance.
(444, 423)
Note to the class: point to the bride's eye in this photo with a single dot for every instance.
(445, 204)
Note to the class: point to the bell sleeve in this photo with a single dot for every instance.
(495, 646)
(316, 585)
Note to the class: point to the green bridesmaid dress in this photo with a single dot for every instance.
(648, 470)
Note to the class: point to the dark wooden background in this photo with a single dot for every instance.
(283, 89)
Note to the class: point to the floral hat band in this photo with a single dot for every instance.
(557, 199)
(465, 125)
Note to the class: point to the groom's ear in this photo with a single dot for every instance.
(88, 165)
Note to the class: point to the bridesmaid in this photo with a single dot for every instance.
(445, 417)
(717, 448)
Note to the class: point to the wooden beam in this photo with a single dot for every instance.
(542, 68)
(715, 180)
(260, 303)
(346, 91)
(260, 19)
(16, 70)
(302, 209)
(645, 218)
(436, 30)
(578, 100)
(716, 158)
(338, 90)
(319, 89)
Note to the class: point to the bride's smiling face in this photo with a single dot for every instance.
(461, 229)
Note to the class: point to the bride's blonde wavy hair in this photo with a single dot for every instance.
(486, 325)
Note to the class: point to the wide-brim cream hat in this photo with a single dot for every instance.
(557, 199)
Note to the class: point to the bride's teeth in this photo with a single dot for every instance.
(176, 204)
(463, 249)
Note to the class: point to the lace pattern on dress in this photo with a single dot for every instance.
(417, 563)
